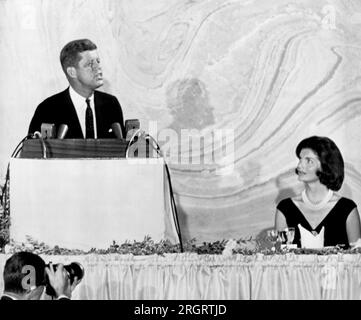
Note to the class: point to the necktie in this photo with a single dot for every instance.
(89, 122)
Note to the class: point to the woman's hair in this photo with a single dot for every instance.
(332, 165)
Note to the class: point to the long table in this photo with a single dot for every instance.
(192, 276)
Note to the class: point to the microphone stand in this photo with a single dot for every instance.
(15, 153)
(43, 146)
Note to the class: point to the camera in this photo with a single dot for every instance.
(73, 269)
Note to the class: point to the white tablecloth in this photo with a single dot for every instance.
(88, 203)
(192, 276)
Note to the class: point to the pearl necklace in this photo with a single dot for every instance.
(318, 205)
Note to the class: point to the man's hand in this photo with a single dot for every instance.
(59, 280)
(75, 283)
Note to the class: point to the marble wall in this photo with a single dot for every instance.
(272, 72)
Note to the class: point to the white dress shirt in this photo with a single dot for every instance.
(80, 105)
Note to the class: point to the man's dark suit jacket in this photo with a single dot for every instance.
(59, 109)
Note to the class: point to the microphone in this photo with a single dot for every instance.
(37, 134)
(63, 130)
(48, 130)
(117, 130)
(131, 128)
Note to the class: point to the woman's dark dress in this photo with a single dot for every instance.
(334, 222)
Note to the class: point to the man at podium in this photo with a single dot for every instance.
(81, 109)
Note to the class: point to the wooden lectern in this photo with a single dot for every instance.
(86, 194)
(75, 148)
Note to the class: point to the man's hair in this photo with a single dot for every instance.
(69, 55)
(14, 271)
(332, 166)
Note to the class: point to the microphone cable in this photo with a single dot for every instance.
(173, 203)
(43, 146)
(154, 144)
(135, 134)
(15, 153)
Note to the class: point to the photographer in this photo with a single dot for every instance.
(26, 276)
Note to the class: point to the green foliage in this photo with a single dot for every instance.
(137, 248)
(149, 247)
(4, 218)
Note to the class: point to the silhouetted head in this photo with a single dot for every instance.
(24, 275)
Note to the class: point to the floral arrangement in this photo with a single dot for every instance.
(145, 247)
(4, 217)
(148, 247)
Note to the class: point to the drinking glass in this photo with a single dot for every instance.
(282, 236)
(290, 232)
(273, 237)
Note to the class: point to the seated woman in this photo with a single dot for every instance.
(321, 169)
